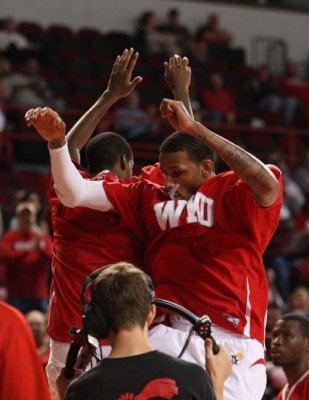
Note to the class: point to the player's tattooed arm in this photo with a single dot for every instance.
(247, 167)
(251, 170)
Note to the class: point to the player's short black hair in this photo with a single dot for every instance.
(302, 319)
(104, 151)
(180, 141)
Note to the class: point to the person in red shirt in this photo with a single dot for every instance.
(21, 374)
(290, 350)
(219, 102)
(27, 253)
(207, 235)
(85, 239)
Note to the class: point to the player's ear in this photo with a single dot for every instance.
(207, 168)
(124, 161)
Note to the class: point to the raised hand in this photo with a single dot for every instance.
(177, 74)
(177, 115)
(47, 122)
(120, 83)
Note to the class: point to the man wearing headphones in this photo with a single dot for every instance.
(121, 309)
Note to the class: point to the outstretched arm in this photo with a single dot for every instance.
(178, 77)
(71, 188)
(252, 171)
(119, 85)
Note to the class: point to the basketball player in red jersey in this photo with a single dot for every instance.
(207, 235)
(85, 239)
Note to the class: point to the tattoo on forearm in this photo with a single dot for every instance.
(239, 159)
(245, 165)
(256, 177)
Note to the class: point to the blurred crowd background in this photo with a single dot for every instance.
(263, 108)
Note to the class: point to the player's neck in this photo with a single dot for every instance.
(295, 372)
(129, 343)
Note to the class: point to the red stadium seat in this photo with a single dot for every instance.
(32, 30)
(32, 179)
(89, 34)
(59, 31)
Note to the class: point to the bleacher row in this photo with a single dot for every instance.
(77, 64)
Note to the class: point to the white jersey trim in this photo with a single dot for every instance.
(248, 312)
(293, 387)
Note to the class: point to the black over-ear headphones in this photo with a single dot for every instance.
(94, 318)
(95, 323)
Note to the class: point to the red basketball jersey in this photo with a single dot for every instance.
(299, 391)
(205, 253)
(84, 240)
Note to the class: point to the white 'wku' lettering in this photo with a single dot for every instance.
(199, 209)
(166, 211)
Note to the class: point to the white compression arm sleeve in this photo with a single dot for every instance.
(72, 190)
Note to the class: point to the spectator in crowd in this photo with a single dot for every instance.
(27, 253)
(302, 221)
(290, 349)
(150, 40)
(124, 295)
(37, 322)
(198, 52)
(13, 198)
(293, 84)
(274, 296)
(274, 256)
(294, 197)
(133, 122)
(5, 70)
(265, 96)
(29, 88)
(21, 375)
(13, 44)
(213, 33)
(301, 173)
(293, 193)
(219, 39)
(34, 197)
(274, 313)
(298, 301)
(174, 27)
(219, 102)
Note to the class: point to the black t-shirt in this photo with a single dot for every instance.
(152, 375)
